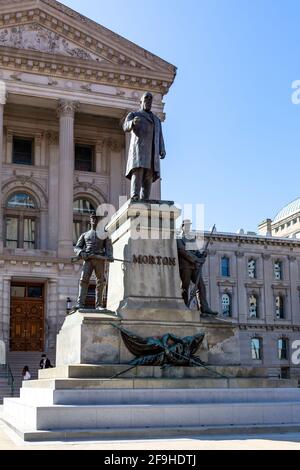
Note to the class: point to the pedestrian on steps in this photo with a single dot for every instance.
(26, 374)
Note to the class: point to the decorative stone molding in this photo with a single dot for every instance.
(115, 145)
(26, 183)
(239, 254)
(67, 108)
(254, 284)
(266, 256)
(292, 258)
(52, 137)
(90, 191)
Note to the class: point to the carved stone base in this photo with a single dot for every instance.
(93, 338)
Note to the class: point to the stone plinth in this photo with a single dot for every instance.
(148, 287)
(90, 337)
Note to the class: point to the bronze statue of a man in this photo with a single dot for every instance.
(190, 266)
(94, 251)
(146, 149)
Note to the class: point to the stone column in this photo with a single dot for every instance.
(53, 158)
(242, 301)
(66, 111)
(116, 169)
(268, 291)
(2, 103)
(294, 293)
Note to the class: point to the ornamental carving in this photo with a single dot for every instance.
(67, 108)
(53, 138)
(37, 38)
(114, 145)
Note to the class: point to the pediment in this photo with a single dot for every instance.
(47, 37)
(35, 37)
(34, 25)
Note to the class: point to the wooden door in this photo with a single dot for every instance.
(27, 323)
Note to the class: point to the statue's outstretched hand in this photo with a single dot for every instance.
(163, 155)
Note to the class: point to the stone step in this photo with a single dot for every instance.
(110, 370)
(47, 396)
(23, 415)
(154, 383)
(153, 432)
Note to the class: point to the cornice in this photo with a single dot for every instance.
(254, 240)
(82, 70)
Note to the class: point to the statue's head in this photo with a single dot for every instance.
(94, 220)
(146, 101)
(186, 226)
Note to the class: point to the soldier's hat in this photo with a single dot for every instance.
(186, 222)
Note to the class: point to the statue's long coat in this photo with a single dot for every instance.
(146, 146)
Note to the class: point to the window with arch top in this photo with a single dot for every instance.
(226, 305)
(21, 221)
(82, 209)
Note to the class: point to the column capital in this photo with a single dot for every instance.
(67, 108)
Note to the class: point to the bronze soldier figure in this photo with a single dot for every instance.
(190, 266)
(146, 149)
(94, 251)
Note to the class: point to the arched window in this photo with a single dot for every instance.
(253, 306)
(225, 267)
(252, 268)
(226, 305)
(82, 210)
(21, 221)
(278, 270)
(279, 306)
(256, 348)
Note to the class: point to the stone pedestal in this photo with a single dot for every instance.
(88, 337)
(147, 288)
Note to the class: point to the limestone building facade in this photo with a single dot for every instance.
(66, 84)
(255, 281)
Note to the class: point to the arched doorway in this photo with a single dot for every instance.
(27, 317)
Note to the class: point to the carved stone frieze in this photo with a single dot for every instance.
(38, 38)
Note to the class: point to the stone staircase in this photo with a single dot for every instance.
(17, 360)
(77, 402)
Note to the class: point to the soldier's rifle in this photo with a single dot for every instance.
(79, 257)
(199, 273)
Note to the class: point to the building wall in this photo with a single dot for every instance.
(265, 251)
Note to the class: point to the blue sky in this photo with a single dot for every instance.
(232, 132)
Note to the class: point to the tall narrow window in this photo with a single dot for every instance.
(253, 306)
(82, 210)
(22, 151)
(21, 216)
(256, 348)
(252, 268)
(278, 270)
(84, 157)
(225, 267)
(282, 348)
(226, 305)
(279, 306)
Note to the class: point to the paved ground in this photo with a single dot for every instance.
(9, 441)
